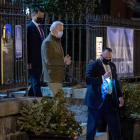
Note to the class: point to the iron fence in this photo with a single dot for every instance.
(13, 69)
(79, 40)
(73, 43)
(97, 27)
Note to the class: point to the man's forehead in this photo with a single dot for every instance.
(40, 13)
(106, 53)
(59, 26)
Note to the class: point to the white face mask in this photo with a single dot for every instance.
(59, 35)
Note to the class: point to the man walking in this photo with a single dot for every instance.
(53, 60)
(103, 95)
(35, 37)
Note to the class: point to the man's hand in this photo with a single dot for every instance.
(67, 60)
(29, 66)
(107, 74)
(121, 101)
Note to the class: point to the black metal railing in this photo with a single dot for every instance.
(97, 27)
(79, 39)
(73, 43)
(13, 69)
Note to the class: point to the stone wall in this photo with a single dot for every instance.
(9, 112)
(9, 129)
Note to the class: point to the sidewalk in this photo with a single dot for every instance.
(99, 136)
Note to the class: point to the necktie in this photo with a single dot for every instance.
(41, 32)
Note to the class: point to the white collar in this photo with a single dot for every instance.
(35, 23)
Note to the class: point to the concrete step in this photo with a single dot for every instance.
(99, 136)
(46, 91)
(2, 96)
(76, 93)
(17, 94)
(84, 127)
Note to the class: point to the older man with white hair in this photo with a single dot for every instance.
(53, 59)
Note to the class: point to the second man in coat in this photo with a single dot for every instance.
(53, 60)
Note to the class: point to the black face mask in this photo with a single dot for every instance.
(106, 61)
(39, 20)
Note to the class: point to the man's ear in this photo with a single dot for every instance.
(54, 32)
(101, 56)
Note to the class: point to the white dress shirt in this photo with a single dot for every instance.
(36, 24)
(109, 80)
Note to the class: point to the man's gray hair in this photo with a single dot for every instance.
(54, 24)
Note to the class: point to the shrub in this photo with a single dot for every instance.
(131, 94)
(49, 116)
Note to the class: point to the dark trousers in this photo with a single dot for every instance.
(35, 75)
(102, 126)
(109, 111)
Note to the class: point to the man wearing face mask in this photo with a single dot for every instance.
(103, 96)
(35, 37)
(53, 59)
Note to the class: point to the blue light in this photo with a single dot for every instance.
(104, 87)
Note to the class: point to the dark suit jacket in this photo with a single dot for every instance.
(34, 42)
(94, 72)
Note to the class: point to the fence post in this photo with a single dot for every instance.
(80, 49)
(87, 39)
(53, 18)
(46, 23)
(66, 20)
(59, 17)
(26, 63)
(73, 35)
